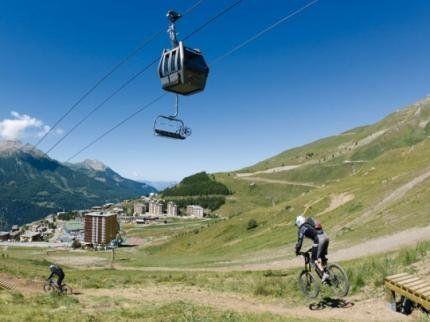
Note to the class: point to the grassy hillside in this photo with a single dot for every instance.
(120, 294)
(364, 183)
(370, 182)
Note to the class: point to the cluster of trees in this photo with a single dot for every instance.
(212, 203)
(68, 215)
(199, 184)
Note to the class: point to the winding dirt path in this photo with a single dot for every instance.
(162, 294)
(375, 246)
(271, 170)
(393, 196)
(291, 183)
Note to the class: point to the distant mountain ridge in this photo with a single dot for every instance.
(33, 185)
(160, 185)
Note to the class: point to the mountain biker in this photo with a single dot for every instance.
(57, 271)
(308, 228)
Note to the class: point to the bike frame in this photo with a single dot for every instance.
(308, 264)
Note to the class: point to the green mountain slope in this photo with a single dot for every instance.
(198, 184)
(32, 185)
(366, 182)
(199, 189)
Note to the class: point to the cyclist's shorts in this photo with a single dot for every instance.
(323, 242)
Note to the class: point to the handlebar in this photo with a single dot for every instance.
(306, 253)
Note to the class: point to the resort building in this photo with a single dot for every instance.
(100, 228)
(155, 207)
(172, 209)
(139, 208)
(195, 211)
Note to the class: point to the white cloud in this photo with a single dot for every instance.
(21, 125)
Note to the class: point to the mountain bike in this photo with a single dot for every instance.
(51, 286)
(310, 277)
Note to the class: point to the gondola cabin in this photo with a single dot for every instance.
(183, 70)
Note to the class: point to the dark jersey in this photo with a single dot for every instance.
(306, 230)
(57, 271)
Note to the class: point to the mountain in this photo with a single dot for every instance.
(367, 182)
(160, 185)
(33, 185)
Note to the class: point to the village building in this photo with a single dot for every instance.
(108, 205)
(195, 211)
(139, 209)
(31, 236)
(118, 210)
(172, 209)
(15, 234)
(155, 207)
(4, 235)
(100, 228)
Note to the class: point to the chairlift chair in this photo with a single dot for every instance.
(170, 126)
(180, 131)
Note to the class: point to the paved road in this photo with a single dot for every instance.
(33, 244)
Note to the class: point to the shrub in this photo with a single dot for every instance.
(252, 224)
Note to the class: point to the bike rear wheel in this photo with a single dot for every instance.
(338, 280)
(66, 290)
(308, 284)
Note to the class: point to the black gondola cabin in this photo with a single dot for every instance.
(183, 70)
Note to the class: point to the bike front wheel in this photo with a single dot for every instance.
(338, 280)
(308, 284)
(47, 287)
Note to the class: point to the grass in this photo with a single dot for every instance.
(368, 273)
(57, 308)
(365, 274)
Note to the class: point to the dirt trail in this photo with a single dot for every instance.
(371, 247)
(337, 201)
(291, 183)
(24, 286)
(357, 310)
(375, 246)
(162, 294)
(391, 197)
(272, 170)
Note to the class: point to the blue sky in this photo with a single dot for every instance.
(335, 66)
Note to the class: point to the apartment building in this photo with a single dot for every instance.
(139, 209)
(155, 207)
(195, 211)
(172, 209)
(100, 228)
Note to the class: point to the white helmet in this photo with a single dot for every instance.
(300, 220)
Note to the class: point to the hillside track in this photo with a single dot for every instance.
(370, 247)
(284, 182)
(361, 310)
(391, 197)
